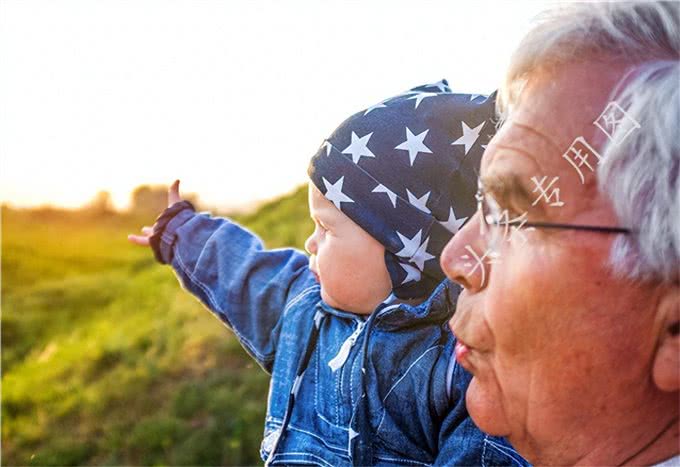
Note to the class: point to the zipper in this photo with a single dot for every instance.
(336, 362)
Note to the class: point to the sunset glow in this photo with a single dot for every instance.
(233, 98)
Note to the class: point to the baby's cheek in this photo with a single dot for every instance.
(373, 280)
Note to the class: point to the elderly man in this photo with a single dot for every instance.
(570, 316)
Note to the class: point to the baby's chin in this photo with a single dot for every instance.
(348, 306)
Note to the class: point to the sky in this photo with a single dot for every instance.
(231, 97)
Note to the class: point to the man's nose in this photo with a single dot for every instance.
(465, 258)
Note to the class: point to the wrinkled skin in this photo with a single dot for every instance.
(562, 350)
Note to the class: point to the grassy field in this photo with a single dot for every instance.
(107, 361)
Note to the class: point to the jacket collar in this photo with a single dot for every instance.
(392, 315)
(437, 308)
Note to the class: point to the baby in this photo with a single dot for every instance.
(355, 335)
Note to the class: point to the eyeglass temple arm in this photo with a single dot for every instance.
(590, 228)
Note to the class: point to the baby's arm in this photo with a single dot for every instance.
(231, 273)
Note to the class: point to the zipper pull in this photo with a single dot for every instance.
(340, 359)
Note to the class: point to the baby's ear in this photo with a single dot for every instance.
(666, 368)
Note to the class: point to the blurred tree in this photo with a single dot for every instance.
(147, 199)
(153, 199)
(100, 205)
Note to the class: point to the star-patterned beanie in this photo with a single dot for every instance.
(405, 170)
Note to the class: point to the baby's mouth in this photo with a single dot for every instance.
(316, 276)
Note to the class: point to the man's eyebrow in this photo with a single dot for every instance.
(546, 140)
(508, 190)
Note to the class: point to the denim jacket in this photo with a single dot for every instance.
(345, 389)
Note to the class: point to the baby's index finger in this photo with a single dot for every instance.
(173, 193)
(138, 240)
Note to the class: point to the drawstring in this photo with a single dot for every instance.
(339, 360)
(360, 439)
(299, 374)
(360, 443)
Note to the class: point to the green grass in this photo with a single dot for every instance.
(107, 361)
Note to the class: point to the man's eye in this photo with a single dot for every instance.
(516, 218)
(512, 213)
(496, 212)
(504, 215)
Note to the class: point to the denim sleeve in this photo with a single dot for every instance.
(228, 269)
(459, 439)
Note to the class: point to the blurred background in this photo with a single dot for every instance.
(105, 359)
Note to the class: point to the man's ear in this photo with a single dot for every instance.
(666, 368)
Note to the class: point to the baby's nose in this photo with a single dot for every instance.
(310, 245)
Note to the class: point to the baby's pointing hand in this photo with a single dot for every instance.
(173, 193)
(143, 240)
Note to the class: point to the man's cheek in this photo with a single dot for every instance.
(516, 298)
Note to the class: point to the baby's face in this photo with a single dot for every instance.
(348, 262)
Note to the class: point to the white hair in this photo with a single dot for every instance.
(640, 177)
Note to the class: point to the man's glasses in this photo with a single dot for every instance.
(492, 215)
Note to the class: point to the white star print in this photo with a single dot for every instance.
(439, 84)
(410, 244)
(470, 136)
(412, 274)
(383, 189)
(421, 255)
(475, 96)
(414, 144)
(405, 93)
(334, 192)
(420, 203)
(358, 148)
(375, 106)
(413, 250)
(453, 225)
(326, 144)
(420, 96)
